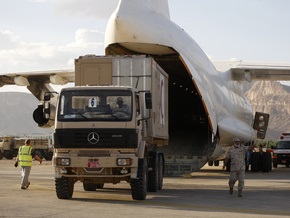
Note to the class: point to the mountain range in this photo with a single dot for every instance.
(265, 96)
(273, 98)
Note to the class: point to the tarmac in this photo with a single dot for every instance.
(201, 194)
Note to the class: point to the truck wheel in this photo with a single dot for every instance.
(266, 164)
(48, 156)
(100, 186)
(1, 155)
(210, 163)
(92, 187)
(8, 156)
(256, 164)
(40, 153)
(89, 187)
(216, 163)
(153, 174)
(275, 165)
(139, 185)
(160, 171)
(64, 188)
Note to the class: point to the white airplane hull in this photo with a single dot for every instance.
(207, 108)
(137, 29)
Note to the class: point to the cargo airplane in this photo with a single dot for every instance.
(207, 107)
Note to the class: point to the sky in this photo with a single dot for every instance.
(50, 34)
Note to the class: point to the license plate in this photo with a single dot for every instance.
(94, 164)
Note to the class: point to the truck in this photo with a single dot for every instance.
(97, 141)
(281, 152)
(42, 145)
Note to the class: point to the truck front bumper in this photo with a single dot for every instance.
(92, 167)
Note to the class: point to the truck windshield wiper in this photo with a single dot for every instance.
(82, 114)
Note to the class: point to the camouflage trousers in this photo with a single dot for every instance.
(238, 175)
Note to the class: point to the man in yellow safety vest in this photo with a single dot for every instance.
(24, 158)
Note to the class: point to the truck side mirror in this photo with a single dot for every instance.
(46, 97)
(148, 100)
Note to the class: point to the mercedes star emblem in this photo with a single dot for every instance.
(93, 137)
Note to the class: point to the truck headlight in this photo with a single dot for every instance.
(124, 161)
(62, 161)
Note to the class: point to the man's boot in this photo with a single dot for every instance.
(240, 193)
(231, 190)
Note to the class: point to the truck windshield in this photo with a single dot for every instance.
(283, 145)
(95, 105)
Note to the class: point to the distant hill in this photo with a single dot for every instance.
(265, 96)
(16, 115)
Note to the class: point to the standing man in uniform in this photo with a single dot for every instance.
(24, 158)
(237, 154)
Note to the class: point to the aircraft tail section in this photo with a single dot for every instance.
(138, 25)
(158, 6)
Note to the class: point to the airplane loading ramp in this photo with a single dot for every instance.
(204, 194)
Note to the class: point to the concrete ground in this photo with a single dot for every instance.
(201, 194)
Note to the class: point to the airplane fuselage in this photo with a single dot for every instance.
(134, 29)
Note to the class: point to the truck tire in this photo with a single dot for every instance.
(92, 186)
(210, 163)
(139, 185)
(153, 174)
(64, 187)
(1, 155)
(48, 155)
(160, 171)
(40, 153)
(275, 165)
(266, 162)
(8, 156)
(216, 163)
(256, 163)
(89, 187)
(100, 186)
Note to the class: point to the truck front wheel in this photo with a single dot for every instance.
(64, 187)
(139, 185)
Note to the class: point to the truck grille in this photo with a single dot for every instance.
(95, 138)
